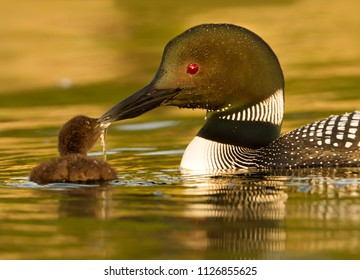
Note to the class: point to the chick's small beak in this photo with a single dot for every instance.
(140, 102)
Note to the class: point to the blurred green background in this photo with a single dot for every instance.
(105, 49)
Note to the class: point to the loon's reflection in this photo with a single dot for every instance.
(247, 214)
(258, 220)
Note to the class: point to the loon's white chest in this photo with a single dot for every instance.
(204, 156)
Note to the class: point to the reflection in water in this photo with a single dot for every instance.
(237, 217)
(92, 202)
(283, 215)
(324, 213)
(259, 221)
(249, 212)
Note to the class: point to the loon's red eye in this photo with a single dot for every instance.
(192, 68)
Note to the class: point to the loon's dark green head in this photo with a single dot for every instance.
(208, 66)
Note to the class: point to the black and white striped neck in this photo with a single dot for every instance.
(231, 137)
(251, 127)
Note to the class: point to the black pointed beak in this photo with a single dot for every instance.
(140, 102)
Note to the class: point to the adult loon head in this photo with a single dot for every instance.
(234, 75)
(216, 67)
(75, 139)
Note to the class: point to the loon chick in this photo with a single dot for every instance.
(234, 75)
(75, 138)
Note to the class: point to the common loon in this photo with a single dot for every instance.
(234, 75)
(75, 138)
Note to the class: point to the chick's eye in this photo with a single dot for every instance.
(192, 68)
